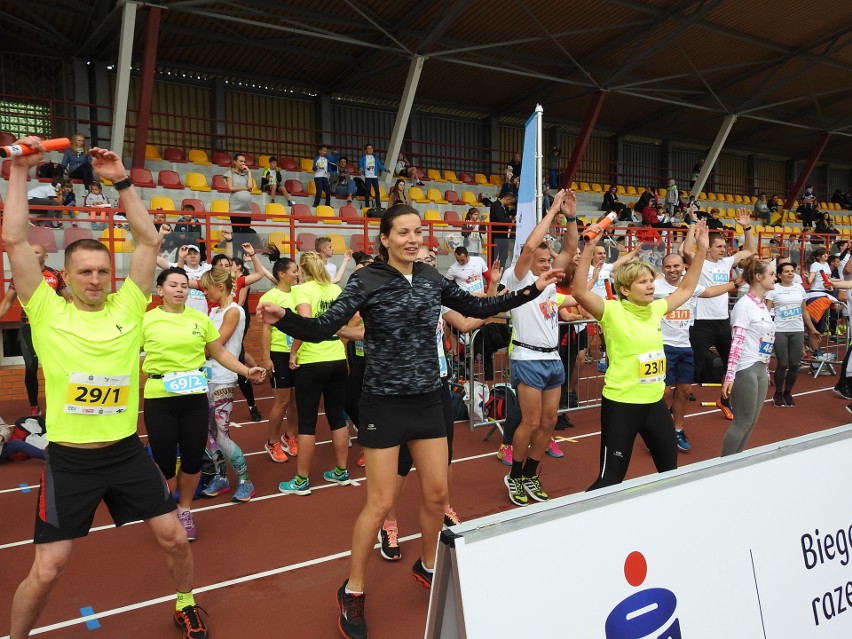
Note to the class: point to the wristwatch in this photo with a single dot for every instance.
(123, 184)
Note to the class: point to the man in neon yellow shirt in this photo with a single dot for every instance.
(90, 353)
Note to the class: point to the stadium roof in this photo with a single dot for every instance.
(672, 68)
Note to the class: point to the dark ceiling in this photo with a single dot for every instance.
(671, 68)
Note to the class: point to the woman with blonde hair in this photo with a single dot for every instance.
(320, 370)
(634, 383)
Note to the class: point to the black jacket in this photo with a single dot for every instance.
(400, 323)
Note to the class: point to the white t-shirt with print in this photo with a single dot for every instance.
(469, 276)
(196, 298)
(713, 274)
(370, 166)
(817, 267)
(787, 307)
(535, 323)
(675, 324)
(598, 287)
(320, 167)
(331, 269)
(760, 331)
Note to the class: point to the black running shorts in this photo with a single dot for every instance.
(390, 420)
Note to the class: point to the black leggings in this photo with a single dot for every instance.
(179, 421)
(406, 461)
(30, 363)
(620, 423)
(706, 333)
(326, 379)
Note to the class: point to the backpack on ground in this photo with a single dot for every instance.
(375, 211)
(503, 405)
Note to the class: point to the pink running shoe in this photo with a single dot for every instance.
(553, 449)
(504, 454)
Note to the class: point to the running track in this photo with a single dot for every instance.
(270, 568)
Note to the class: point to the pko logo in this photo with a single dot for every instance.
(646, 614)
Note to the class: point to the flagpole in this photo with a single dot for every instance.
(539, 160)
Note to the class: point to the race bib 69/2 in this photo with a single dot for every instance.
(89, 394)
(185, 382)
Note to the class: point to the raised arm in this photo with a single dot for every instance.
(588, 300)
(347, 256)
(749, 243)
(483, 307)
(571, 237)
(687, 285)
(625, 258)
(536, 237)
(25, 267)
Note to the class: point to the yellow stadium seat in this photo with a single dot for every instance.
(661, 192)
(434, 175)
(196, 182)
(496, 180)
(197, 156)
(220, 206)
(450, 176)
(338, 243)
(162, 202)
(276, 211)
(328, 215)
(584, 187)
(416, 195)
(729, 198)
(620, 190)
(263, 161)
(738, 199)
(434, 216)
(469, 198)
(711, 197)
(121, 242)
(597, 188)
(306, 164)
(312, 188)
(151, 152)
(479, 178)
(282, 241)
(574, 186)
(631, 190)
(702, 196)
(823, 206)
(383, 192)
(434, 195)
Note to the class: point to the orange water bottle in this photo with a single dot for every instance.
(599, 227)
(54, 144)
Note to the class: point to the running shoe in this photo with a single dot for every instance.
(351, 621)
(291, 444)
(290, 203)
(296, 486)
(389, 543)
(778, 400)
(533, 488)
(337, 476)
(420, 575)
(276, 452)
(450, 516)
(188, 524)
(504, 454)
(244, 491)
(255, 414)
(727, 413)
(789, 402)
(190, 622)
(217, 486)
(517, 495)
(602, 366)
(361, 461)
(682, 444)
(553, 449)
(842, 391)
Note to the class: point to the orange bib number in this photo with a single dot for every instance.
(89, 394)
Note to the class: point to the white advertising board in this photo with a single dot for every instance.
(757, 545)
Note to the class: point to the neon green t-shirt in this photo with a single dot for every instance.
(174, 342)
(279, 342)
(320, 298)
(634, 343)
(90, 362)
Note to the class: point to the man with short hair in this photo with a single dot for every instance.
(324, 247)
(470, 272)
(499, 214)
(90, 353)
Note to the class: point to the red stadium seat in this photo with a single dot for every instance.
(288, 164)
(142, 177)
(302, 211)
(358, 243)
(250, 160)
(73, 234)
(171, 154)
(169, 179)
(198, 204)
(349, 213)
(466, 178)
(7, 138)
(451, 216)
(42, 235)
(452, 197)
(305, 241)
(221, 158)
(7, 166)
(295, 188)
(220, 184)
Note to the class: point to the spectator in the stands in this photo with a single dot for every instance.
(502, 234)
(371, 166)
(714, 223)
(807, 206)
(341, 181)
(398, 194)
(404, 168)
(651, 216)
(775, 205)
(321, 177)
(77, 161)
(515, 163)
(240, 183)
(696, 170)
(333, 157)
(824, 224)
(45, 195)
(472, 232)
(511, 187)
(612, 204)
(271, 182)
(555, 155)
(672, 197)
(693, 203)
(646, 199)
(761, 209)
(546, 197)
(96, 198)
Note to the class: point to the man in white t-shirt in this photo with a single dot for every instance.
(680, 368)
(712, 325)
(323, 246)
(537, 372)
(189, 259)
(469, 272)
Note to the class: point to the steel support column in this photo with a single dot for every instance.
(146, 91)
(405, 104)
(122, 80)
(806, 171)
(583, 139)
(713, 154)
